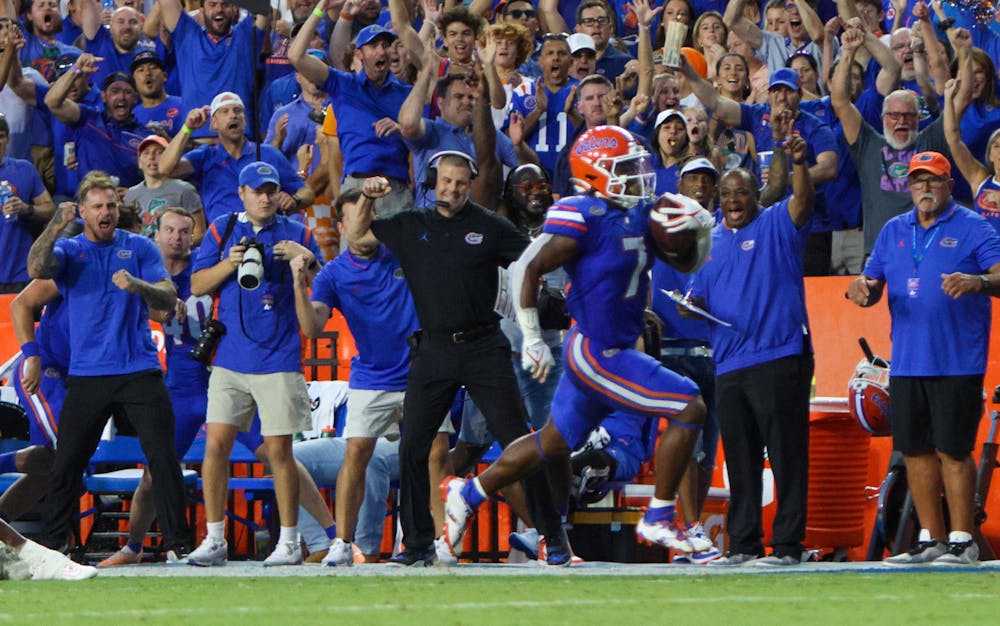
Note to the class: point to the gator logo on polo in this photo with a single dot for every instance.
(949, 242)
(398, 274)
(124, 254)
(134, 142)
(596, 143)
(597, 211)
(748, 245)
(474, 239)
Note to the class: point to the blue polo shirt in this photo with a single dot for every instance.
(611, 65)
(110, 330)
(70, 31)
(374, 298)
(934, 334)
(52, 336)
(819, 138)
(184, 375)
(753, 280)
(209, 66)
(300, 130)
(220, 174)
(15, 233)
(112, 60)
(441, 135)
(845, 211)
(266, 341)
(358, 104)
(168, 116)
(103, 144)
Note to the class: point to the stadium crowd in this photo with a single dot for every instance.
(212, 130)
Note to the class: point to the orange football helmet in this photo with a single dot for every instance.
(609, 162)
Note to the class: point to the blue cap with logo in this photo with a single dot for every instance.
(785, 76)
(368, 34)
(258, 174)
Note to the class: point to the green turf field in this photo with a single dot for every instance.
(861, 599)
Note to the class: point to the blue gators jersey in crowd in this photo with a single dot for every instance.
(52, 335)
(609, 279)
(183, 372)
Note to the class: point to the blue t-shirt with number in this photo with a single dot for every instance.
(183, 372)
(553, 129)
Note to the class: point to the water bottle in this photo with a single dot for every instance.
(6, 192)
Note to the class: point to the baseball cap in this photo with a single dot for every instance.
(150, 140)
(146, 56)
(667, 114)
(224, 99)
(697, 61)
(580, 41)
(785, 76)
(258, 174)
(319, 54)
(117, 77)
(933, 162)
(64, 63)
(701, 164)
(368, 34)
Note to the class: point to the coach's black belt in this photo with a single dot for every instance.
(465, 336)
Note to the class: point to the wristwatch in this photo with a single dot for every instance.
(985, 280)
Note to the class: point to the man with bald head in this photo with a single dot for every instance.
(117, 44)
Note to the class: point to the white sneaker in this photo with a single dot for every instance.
(444, 555)
(704, 556)
(457, 513)
(211, 553)
(285, 553)
(341, 553)
(671, 534)
(45, 564)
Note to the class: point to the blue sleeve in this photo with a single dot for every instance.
(505, 150)
(749, 115)
(37, 187)
(197, 158)
(208, 252)
(325, 289)
(61, 251)
(332, 84)
(186, 28)
(988, 251)
(875, 267)
(87, 113)
(821, 140)
(150, 260)
(272, 122)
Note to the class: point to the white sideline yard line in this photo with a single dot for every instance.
(284, 610)
(244, 569)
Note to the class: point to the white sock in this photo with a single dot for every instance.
(479, 488)
(289, 533)
(656, 503)
(959, 536)
(216, 530)
(925, 535)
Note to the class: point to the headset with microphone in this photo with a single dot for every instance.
(430, 179)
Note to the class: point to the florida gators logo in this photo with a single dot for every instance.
(474, 239)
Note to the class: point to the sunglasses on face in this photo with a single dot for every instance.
(532, 188)
(522, 13)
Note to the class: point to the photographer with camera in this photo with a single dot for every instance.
(258, 364)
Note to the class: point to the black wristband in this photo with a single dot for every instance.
(798, 162)
(943, 25)
(367, 196)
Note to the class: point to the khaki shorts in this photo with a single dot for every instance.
(281, 399)
(373, 413)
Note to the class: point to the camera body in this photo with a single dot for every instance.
(251, 270)
(204, 350)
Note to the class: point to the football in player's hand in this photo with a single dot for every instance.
(673, 245)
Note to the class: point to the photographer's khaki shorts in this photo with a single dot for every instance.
(281, 398)
(373, 413)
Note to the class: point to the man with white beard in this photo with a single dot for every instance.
(882, 159)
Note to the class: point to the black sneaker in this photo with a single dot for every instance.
(924, 552)
(960, 553)
(419, 558)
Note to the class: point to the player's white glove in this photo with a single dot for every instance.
(536, 358)
(681, 213)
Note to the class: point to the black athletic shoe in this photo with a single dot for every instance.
(419, 558)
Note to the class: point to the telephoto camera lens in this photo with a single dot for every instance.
(252, 268)
(204, 350)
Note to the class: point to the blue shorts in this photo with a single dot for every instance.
(43, 406)
(597, 381)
